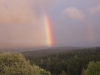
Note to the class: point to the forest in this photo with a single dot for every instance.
(64, 62)
(69, 62)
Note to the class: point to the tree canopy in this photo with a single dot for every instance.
(93, 68)
(16, 64)
(73, 62)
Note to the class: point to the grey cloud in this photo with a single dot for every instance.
(73, 12)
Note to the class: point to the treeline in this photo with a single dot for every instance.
(69, 63)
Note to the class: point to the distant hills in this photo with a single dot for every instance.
(48, 51)
(11, 47)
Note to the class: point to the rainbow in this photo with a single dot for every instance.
(90, 32)
(48, 31)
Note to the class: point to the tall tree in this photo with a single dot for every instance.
(93, 68)
(16, 64)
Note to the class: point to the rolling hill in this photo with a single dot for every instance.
(48, 51)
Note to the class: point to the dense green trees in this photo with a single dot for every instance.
(43, 72)
(93, 68)
(70, 63)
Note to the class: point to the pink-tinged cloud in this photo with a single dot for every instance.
(16, 11)
(73, 12)
(95, 9)
(21, 23)
(21, 11)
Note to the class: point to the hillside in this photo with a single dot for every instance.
(48, 51)
(67, 61)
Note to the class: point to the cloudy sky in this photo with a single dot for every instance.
(72, 22)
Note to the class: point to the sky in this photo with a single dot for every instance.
(52, 23)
